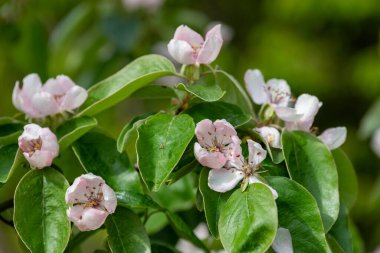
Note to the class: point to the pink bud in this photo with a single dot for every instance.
(93, 201)
(39, 146)
(188, 46)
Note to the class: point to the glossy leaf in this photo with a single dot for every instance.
(133, 199)
(121, 85)
(334, 246)
(183, 230)
(155, 92)
(161, 142)
(97, 153)
(213, 202)
(348, 183)
(10, 130)
(218, 110)
(126, 233)
(40, 211)
(248, 221)
(340, 231)
(10, 158)
(298, 212)
(370, 121)
(311, 164)
(73, 129)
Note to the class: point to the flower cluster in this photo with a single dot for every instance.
(57, 95)
(219, 148)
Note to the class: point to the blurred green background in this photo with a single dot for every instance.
(328, 48)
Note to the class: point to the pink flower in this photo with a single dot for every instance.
(56, 96)
(275, 92)
(215, 142)
(226, 178)
(334, 137)
(93, 200)
(39, 146)
(271, 135)
(188, 47)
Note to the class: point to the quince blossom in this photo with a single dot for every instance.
(275, 92)
(215, 142)
(334, 137)
(271, 135)
(56, 96)
(93, 200)
(188, 47)
(39, 146)
(226, 178)
(375, 142)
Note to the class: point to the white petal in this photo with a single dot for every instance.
(74, 98)
(110, 200)
(224, 131)
(45, 104)
(288, 114)
(86, 218)
(213, 160)
(279, 92)
(283, 241)
(334, 137)
(222, 180)
(255, 85)
(256, 153)
(255, 180)
(188, 35)
(308, 106)
(182, 52)
(31, 84)
(271, 135)
(16, 97)
(375, 142)
(211, 47)
(59, 85)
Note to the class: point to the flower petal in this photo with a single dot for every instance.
(109, 198)
(49, 141)
(255, 85)
(188, 35)
(279, 92)
(271, 135)
(334, 137)
(283, 241)
(287, 114)
(31, 84)
(213, 160)
(181, 51)
(74, 98)
(211, 47)
(255, 180)
(256, 153)
(58, 86)
(222, 180)
(39, 159)
(375, 142)
(205, 131)
(224, 131)
(86, 218)
(16, 97)
(45, 104)
(308, 106)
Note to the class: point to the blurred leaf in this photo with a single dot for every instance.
(97, 154)
(10, 130)
(133, 200)
(348, 184)
(183, 171)
(162, 140)
(126, 233)
(370, 121)
(334, 246)
(340, 231)
(213, 202)
(183, 230)
(218, 110)
(162, 247)
(248, 221)
(298, 212)
(10, 158)
(121, 85)
(73, 129)
(311, 164)
(40, 211)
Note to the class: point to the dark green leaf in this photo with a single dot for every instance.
(10, 130)
(334, 246)
(126, 233)
(10, 158)
(72, 130)
(370, 121)
(248, 221)
(213, 202)
(97, 153)
(298, 212)
(121, 85)
(132, 200)
(162, 140)
(40, 211)
(348, 184)
(311, 164)
(154, 91)
(340, 231)
(218, 110)
(162, 247)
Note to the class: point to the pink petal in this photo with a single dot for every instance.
(271, 135)
(31, 84)
(39, 159)
(375, 142)
(222, 180)
(86, 218)
(75, 193)
(16, 97)
(255, 180)
(110, 200)
(74, 98)
(256, 153)
(181, 51)
(211, 47)
(255, 85)
(58, 86)
(188, 35)
(235, 155)
(205, 131)
(213, 160)
(224, 131)
(49, 141)
(334, 137)
(31, 132)
(45, 104)
(279, 92)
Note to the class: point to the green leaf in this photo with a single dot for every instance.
(121, 85)
(126, 233)
(298, 212)
(10, 130)
(213, 202)
(97, 154)
(218, 110)
(161, 142)
(73, 129)
(334, 246)
(311, 164)
(155, 92)
(133, 200)
(348, 183)
(370, 121)
(10, 158)
(340, 231)
(236, 93)
(40, 211)
(162, 247)
(205, 89)
(248, 221)
(183, 230)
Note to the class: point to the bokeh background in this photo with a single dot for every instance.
(328, 48)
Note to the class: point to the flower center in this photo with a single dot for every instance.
(277, 95)
(94, 196)
(270, 139)
(33, 145)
